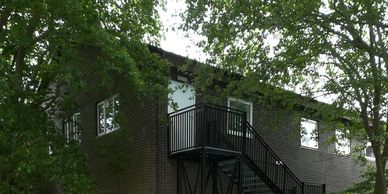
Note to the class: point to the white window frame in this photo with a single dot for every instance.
(72, 128)
(50, 149)
(369, 144)
(313, 138)
(250, 104)
(345, 142)
(115, 125)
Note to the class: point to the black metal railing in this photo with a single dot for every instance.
(274, 169)
(181, 133)
(226, 128)
(206, 125)
(259, 152)
(313, 188)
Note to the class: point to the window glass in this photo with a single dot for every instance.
(183, 96)
(72, 127)
(116, 106)
(242, 106)
(76, 126)
(369, 151)
(109, 115)
(235, 126)
(101, 126)
(343, 144)
(107, 111)
(309, 133)
(66, 130)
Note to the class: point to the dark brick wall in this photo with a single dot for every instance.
(280, 128)
(165, 168)
(121, 161)
(141, 147)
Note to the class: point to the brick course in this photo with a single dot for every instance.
(143, 142)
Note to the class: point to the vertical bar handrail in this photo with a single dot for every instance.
(226, 128)
(244, 139)
(168, 135)
(243, 144)
(204, 128)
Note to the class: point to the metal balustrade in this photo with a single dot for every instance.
(206, 125)
(214, 126)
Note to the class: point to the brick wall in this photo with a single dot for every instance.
(121, 161)
(141, 146)
(148, 169)
(280, 128)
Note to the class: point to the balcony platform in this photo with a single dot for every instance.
(195, 153)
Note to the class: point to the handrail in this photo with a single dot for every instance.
(224, 108)
(184, 109)
(203, 125)
(198, 105)
(250, 128)
(217, 126)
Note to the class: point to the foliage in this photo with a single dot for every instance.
(48, 48)
(368, 181)
(321, 48)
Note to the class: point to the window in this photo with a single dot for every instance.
(107, 116)
(50, 150)
(72, 127)
(183, 96)
(243, 106)
(342, 144)
(369, 152)
(309, 133)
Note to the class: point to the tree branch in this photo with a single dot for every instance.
(19, 57)
(4, 17)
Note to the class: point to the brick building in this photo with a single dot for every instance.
(151, 154)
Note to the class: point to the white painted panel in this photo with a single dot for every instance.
(183, 132)
(183, 95)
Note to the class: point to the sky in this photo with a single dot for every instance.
(178, 42)
(175, 40)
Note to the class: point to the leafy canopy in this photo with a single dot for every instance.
(320, 48)
(48, 48)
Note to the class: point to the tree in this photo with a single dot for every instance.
(333, 47)
(48, 48)
(367, 184)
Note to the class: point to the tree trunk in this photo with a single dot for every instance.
(380, 187)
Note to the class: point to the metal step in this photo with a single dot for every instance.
(251, 183)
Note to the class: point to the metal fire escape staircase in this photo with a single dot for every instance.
(226, 147)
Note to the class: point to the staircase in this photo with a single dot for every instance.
(251, 183)
(262, 170)
(210, 126)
